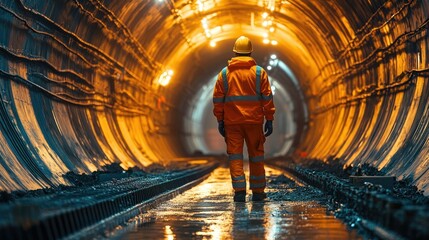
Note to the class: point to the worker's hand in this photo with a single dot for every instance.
(221, 128)
(268, 129)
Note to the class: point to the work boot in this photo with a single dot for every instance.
(240, 196)
(256, 197)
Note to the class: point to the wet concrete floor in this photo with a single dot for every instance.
(208, 212)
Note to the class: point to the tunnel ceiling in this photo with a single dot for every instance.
(307, 32)
(82, 82)
(315, 38)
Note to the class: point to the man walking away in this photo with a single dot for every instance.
(242, 98)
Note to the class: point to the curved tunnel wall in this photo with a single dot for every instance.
(373, 93)
(79, 81)
(76, 94)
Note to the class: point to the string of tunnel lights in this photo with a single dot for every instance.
(273, 62)
(165, 78)
(208, 32)
(267, 23)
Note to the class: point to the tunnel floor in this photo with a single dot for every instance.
(293, 211)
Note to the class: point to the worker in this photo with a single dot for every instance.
(242, 98)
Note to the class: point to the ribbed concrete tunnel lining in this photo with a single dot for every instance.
(79, 81)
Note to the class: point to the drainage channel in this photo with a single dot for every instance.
(87, 211)
(293, 211)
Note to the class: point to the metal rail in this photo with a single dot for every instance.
(386, 216)
(67, 219)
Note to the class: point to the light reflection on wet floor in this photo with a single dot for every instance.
(208, 212)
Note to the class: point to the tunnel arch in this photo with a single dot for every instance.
(79, 80)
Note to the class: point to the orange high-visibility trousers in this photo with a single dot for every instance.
(255, 139)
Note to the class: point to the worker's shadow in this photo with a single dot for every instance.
(249, 218)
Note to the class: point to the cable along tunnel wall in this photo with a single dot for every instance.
(75, 94)
(373, 96)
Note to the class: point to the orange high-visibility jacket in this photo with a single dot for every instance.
(242, 94)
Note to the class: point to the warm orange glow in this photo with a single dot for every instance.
(165, 78)
(216, 30)
(200, 6)
(265, 23)
(207, 30)
(204, 23)
(169, 233)
(264, 15)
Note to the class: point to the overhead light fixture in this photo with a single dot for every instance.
(272, 29)
(269, 68)
(274, 42)
(265, 23)
(204, 23)
(207, 31)
(200, 6)
(216, 30)
(212, 43)
(273, 61)
(165, 78)
(266, 41)
(273, 56)
(208, 34)
(264, 15)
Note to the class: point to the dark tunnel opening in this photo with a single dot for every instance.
(88, 83)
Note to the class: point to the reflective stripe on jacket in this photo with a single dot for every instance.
(242, 94)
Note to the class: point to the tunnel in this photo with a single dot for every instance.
(85, 84)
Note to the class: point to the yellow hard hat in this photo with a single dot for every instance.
(243, 45)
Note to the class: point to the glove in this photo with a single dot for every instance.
(268, 129)
(221, 128)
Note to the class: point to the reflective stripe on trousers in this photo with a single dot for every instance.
(254, 137)
(237, 173)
